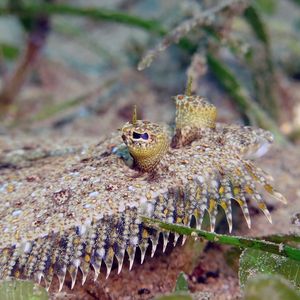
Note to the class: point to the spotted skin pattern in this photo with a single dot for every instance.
(79, 211)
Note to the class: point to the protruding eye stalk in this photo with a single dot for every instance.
(147, 143)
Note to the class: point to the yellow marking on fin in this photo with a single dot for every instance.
(221, 190)
(76, 241)
(212, 205)
(17, 235)
(248, 189)
(130, 250)
(262, 206)
(250, 171)
(145, 234)
(87, 258)
(238, 172)
(110, 253)
(50, 271)
(266, 212)
(224, 205)
(236, 190)
(179, 220)
(185, 220)
(198, 193)
(240, 202)
(276, 194)
(17, 274)
(269, 188)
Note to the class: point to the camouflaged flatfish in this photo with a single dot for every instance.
(84, 208)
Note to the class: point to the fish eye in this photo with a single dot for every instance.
(143, 136)
(136, 135)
